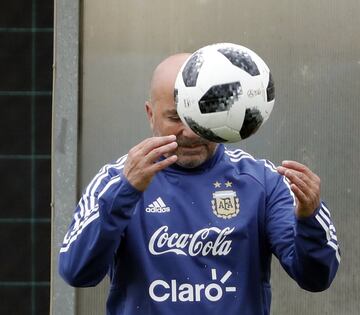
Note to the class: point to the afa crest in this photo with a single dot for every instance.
(225, 203)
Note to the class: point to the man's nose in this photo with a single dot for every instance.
(188, 133)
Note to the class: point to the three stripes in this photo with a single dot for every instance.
(88, 208)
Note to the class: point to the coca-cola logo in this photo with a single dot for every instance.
(208, 241)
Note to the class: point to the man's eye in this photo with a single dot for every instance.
(174, 118)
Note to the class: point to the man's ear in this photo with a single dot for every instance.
(149, 113)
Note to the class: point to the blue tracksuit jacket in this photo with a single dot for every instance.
(197, 241)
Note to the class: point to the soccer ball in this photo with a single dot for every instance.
(224, 92)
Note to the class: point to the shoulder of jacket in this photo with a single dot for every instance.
(246, 163)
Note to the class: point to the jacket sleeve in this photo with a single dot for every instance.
(98, 223)
(306, 248)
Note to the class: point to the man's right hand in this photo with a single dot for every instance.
(142, 162)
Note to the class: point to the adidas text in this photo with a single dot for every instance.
(158, 206)
(157, 209)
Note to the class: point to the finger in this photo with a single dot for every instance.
(305, 205)
(292, 175)
(299, 179)
(298, 167)
(311, 179)
(156, 153)
(294, 165)
(308, 192)
(158, 166)
(145, 146)
(151, 143)
(281, 170)
(301, 197)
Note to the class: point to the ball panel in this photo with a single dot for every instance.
(236, 115)
(211, 120)
(240, 59)
(252, 122)
(176, 97)
(227, 133)
(192, 68)
(202, 131)
(220, 97)
(270, 90)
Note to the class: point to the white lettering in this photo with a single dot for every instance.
(161, 290)
(209, 241)
(157, 209)
(214, 287)
(186, 293)
(155, 297)
(173, 291)
(198, 288)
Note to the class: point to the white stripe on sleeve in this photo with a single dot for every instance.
(329, 236)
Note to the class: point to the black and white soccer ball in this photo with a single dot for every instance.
(224, 92)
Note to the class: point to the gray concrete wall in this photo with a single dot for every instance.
(64, 151)
(313, 49)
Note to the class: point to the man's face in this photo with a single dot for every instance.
(192, 150)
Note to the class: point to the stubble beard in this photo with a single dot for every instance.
(188, 160)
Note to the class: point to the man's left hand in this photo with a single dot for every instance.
(305, 185)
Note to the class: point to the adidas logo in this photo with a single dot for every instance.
(158, 206)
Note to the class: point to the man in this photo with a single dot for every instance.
(184, 226)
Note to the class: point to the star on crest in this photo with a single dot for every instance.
(217, 184)
(228, 184)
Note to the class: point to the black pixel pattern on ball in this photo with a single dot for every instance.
(240, 59)
(252, 122)
(220, 97)
(202, 131)
(176, 98)
(191, 70)
(270, 90)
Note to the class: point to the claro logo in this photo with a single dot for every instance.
(161, 290)
(209, 241)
